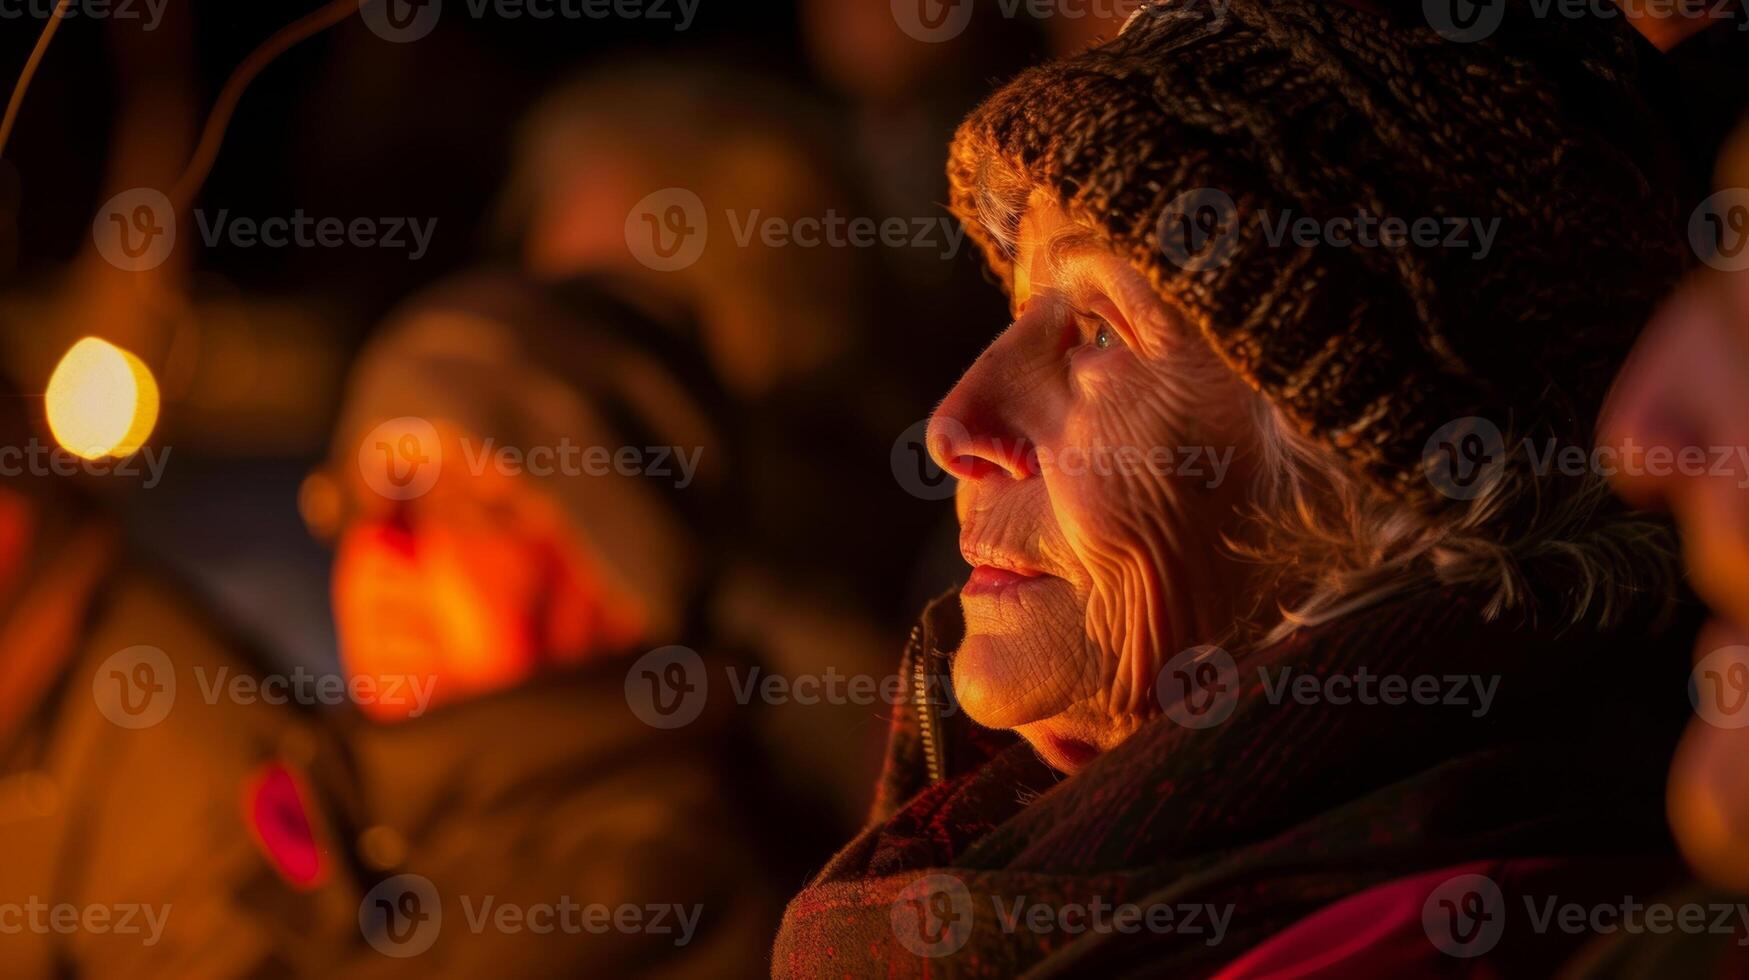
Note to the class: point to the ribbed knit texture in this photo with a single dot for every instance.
(1319, 110)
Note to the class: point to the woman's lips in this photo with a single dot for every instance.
(991, 580)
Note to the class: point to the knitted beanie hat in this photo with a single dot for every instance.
(1489, 222)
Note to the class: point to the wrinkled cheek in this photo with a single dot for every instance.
(1123, 610)
(1150, 555)
(1126, 621)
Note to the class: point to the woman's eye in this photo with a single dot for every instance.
(1105, 336)
(1095, 330)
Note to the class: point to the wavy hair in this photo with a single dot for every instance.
(1552, 548)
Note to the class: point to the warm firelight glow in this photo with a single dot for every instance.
(101, 400)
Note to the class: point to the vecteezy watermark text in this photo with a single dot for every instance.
(39, 460)
(150, 13)
(303, 231)
(670, 686)
(1200, 229)
(403, 915)
(402, 458)
(1467, 21)
(667, 230)
(136, 687)
(575, 459)
(934, 916)
(136, 230)
(1466, 916)
(1200, 688)
(1465, 457)
(38, 917)
(403, 21)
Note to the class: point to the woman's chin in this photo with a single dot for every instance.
(998, 684)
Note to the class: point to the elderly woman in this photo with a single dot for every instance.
(1291, 575)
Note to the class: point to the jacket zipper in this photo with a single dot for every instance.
(928, 721)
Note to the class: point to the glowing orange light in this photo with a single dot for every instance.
(101, 400)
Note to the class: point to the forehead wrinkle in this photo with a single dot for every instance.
(1065, 246)
(1053, 263)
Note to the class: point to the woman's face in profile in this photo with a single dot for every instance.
(1102, 452)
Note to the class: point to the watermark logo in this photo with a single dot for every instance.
(1465, 916)
(400, 21)
(135, 231)
(39, 459)
(1719, 687)
(1199, 688)
(401, 458)
(402, 916)
(939, 21)
(1099, 916)
(932, 916)
(1468, 21)
(300, 230)
(941, 233)
(932, 21)
(136, 687)
(1473, 692)
(569, 458)
(1467, 456)
(1464, 457)
(916, 470)
(1464, 21)
(1199, 229)
(1205, 464)
(1719, 230)
(667, 230)
(667, 687)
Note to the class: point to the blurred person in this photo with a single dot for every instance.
(173, 829)
(792, 335)
(904, 85)
(898, 90)
(520, 503)
(1103, 713)
(1677, 424)
(173, 806)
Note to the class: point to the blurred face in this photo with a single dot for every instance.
(472, 586)
(1681, 407)
(1685, 390)
(1102, 452)
(1685, 394)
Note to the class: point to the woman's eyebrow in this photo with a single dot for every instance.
(1069, 243)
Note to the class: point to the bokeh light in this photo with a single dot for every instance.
(101, 400)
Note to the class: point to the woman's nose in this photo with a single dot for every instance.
(975, 432)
